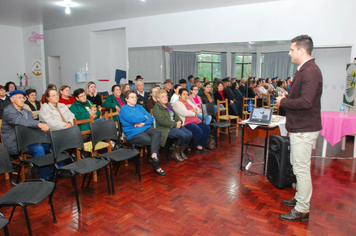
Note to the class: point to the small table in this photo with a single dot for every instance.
(335, 128)
(260, 131)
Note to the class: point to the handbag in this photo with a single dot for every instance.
(211, 143)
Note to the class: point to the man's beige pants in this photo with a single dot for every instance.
(301, 146)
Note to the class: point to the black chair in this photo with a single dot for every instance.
(3, 224)
(30, 192)
(26, 136)
(208, 109)
(71, 138)
(106, 130)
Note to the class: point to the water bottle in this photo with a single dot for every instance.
(250, 105)
(272, 100)
(342, 111)
(154, 122)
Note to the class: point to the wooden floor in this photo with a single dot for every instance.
(206, 195)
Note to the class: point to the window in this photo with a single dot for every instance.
(208, 66)
(243, 66)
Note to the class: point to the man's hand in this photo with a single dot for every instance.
(278, 100)
(43, 127)
(179, 124)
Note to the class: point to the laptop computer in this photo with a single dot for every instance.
(260, 116)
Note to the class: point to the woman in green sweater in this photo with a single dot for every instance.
(116, 100)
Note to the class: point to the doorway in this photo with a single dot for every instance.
(54, 71)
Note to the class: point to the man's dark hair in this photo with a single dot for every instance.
(51, 86)
(206, 84)
(78, 91)
(182, 90)
(190, 77)
(7, 85)
(176, 86)
(304, 41)
(114, 86)
(279, 83)
(29, 91)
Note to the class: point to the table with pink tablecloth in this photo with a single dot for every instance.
(336, 127)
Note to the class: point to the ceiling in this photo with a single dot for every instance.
(24, 13)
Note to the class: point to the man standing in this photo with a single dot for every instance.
(16, 115)
(303, 123)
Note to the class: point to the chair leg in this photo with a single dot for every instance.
(112, 179)
(12, 212)
(229, 135)
(90, 178)
(85, 177)
(6, 231)
(117, 167)
(108, 182)
(95, 176)
(138, 171)
(27, 221)
(52, 208)
(74, 182)
(216, 138)
(126, 162)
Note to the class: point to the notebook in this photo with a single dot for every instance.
(260, 116)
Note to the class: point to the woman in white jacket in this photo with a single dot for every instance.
(188, 114)
(55, 114)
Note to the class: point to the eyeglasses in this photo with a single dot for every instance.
(20, 97)
(133, 97)
(195, 89)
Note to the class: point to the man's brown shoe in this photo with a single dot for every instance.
(294, 215)
(289, 202)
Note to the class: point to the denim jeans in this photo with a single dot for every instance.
(37, 150)
(207, 118)
(200, 133)
(151, 137)
(183, 135)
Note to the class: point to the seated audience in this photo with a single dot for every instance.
(223, 93)
(31, 103)
(196, 100)
(125, 87)
(56, 115)
(238, 99)
(274, 82)
(136, 125)
(198, 84)
(175, 96)
(116, 100)
(64, 96)
(138, 78)
(4, 100)
(142, 96)
(83, 109)
(260, 89)
(207, 96)
(205, 80)
(251, 93)
(50, 86)
(16, 115)
(269, 86)
(168, 87)
(92, 93)
(190, 82)
(151, 100)
(188, 114)
(288, 83)
(183, 83)
(242, 86)
(171, 125)
(281, 87)
(9, 87)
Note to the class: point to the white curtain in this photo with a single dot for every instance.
(254, 64)
(276, 64)
(223, 65)
(233, 65)
(182, 65)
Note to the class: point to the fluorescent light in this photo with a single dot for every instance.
(67, 11)
(67, 3)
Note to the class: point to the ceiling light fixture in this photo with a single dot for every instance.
(67, 4)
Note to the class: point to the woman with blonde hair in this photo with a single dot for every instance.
(92, 93)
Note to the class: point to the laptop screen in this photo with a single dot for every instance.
(261, 114)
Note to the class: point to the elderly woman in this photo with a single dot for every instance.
(9, 87)
(170, 124)
(152, 100)
(31, 103)
(116, 100)
(195, 99)
(175, 96)
(92, 93)
(64, 96)
(55, 114)
(188, 113)
(136, 125)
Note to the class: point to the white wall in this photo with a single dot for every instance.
(327, 21)
(12, 54)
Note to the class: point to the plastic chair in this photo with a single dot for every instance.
(70, 138)
(227, 117)
(30, 192)
(26, 136)
(208, 109)
(3, 224)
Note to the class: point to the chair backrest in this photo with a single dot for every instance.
(103, 130)
(225, 103)
(5, 161)
(26, 136)
(266, 100)
(79, 122)
(208, 109)
(245, 102)
(66, 139)
(111, 114)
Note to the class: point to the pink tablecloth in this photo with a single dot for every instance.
(335, 127)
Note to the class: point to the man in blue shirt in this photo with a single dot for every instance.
(190, 82)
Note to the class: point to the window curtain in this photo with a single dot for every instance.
(233, 65)
(253, 64)
(276, 64)
(182, 65)
(223, 65)
(295, 67)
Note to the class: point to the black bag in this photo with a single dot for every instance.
(211, 143)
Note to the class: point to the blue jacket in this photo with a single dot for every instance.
(129, 116)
